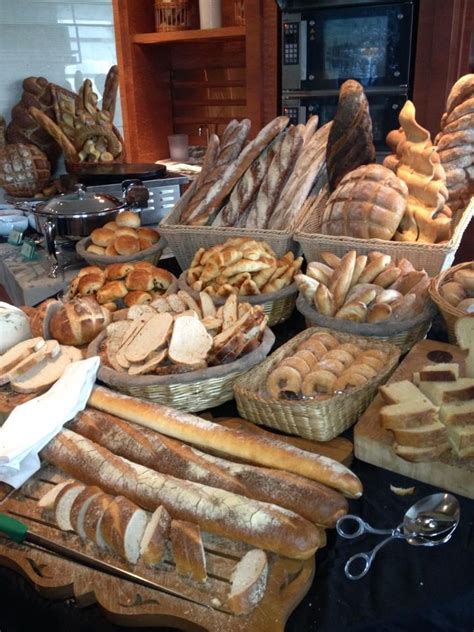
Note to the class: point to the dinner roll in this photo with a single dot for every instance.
(126, 231)
(96, 250)
(102, 237)
(148, 233)
(128, 219)
(126, 245)
(111, 252)
(111, 225)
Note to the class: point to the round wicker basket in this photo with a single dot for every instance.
(152, 254)
(449, 312)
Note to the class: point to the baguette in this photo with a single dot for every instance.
(188, 550)
(221, 513)
(315, 502)
(205, 434)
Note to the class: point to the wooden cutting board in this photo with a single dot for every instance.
(373, 444)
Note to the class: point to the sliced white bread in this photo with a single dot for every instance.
(79, 508)
(92, 518)
(154, 359)
(461, 390)
(457, 413)
(15, 355)
(408, 415)
(464, 330)
(248, 582)
(49, 351)
(462, 440)
(153, 544)
(401, 391)
(64, 502)
(442, 372)
(207, 305)
(187, 549)
(190, 343)
(410, 453)
(153, 335)
(427, 436)
(47, 372)
(122, 526)
(48, 500)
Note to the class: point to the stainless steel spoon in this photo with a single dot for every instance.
(429, 522)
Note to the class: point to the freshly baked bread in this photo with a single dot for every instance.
(63, 503)
(188, 550)
(45, 352)
(460, 390)
(17, 354)
(462, 440)
(79, 322)
(350, 142)
(111, 291)
(39, 321)
(126, 245)
(464, 330)
(103, 237)
(421, 454)
(92, 518)
(48, 500)
(155, 537)
(397, 392)
(368, 203)
(44, 374)
(123, 525)
(190, 342)
(80, 506)
(248, 582)
(457, 413)
(128, 219)
(97, 250)
(441, 372)
(153, 335)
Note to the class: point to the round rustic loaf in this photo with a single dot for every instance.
(79, 321)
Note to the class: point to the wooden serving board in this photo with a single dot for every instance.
(373, 444)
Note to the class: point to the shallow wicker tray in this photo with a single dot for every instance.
(449, 312)
(152, 254)
(191, 392)
(184, 241)
(403, 334)
(432, 257)
(317, 420)
(278, 306)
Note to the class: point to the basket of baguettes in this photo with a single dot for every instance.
(367, 295)
(453, 293)
(256, 190)
(182, 352)
(249, 269)
(414, 206)
(317, 384)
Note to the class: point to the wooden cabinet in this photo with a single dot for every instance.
(194, 80)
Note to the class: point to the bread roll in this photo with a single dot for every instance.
(128, 219)
(117, 271)
(453, 292)
(111, 225)
(96, 250)
(137, 297)
(149, 234)
(111, 252)
(126, 245)
(103, 237)
(111, 291)
(90, 283)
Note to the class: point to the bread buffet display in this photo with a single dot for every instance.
(210, 510)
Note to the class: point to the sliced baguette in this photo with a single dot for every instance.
(248, 582)
(207, 305)
(92, 518)
(190, 343)
(188, 550)
(153, 544)
(80, 506)
(48, 500)
(153, 335)
(123, 525)
(47, 372)
(15, 355)
(64, 502)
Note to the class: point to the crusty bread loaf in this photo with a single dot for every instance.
(216, 511)
(188, 550)
(205, 434)
(317, 503)
(123, 524)
(78, 322)
(39, 321)
(248, 582)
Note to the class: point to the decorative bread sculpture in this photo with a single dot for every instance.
(427, 219)
(368, 203)
(455, 142)
(350, 143)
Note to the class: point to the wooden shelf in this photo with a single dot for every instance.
(192, 35)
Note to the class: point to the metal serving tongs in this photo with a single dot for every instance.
(429, 522)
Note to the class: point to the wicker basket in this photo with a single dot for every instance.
(152, 254)
(191, 392)
(402, 334)
(432, 257)
(449, 313)
(184, 241)
(316, 420)
(174, 15)
(278, 306)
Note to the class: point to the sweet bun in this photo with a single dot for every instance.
(129, 219)
(148, 233)
(111, 252)
(111, 291)
(90, 283)
(145, 243)
(96, 250)
(111, 225)
(127, 245)
(117, 271)
(136, 297)
(102, 237)
(139, 279)
(126, 231)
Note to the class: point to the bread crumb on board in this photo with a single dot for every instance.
(402, 491)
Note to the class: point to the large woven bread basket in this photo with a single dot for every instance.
(278, 306)
(316, 420)
(449, 312)
(431, 257)
(192, 391)
(184, 241)
(403, 334)
(152, 254)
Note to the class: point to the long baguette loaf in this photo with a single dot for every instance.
(205, 434)
(315, 502)
(216, 194)
(215, 511)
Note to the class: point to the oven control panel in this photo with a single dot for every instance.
(291, 37)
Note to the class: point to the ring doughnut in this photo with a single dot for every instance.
(297, 363)
(307, 355)
(364, 369)
(376, 353)
(349, 378)
(315, 346)
(328, 340)
(351, 348)
(343, 356)
(284, 378)
(318, 382)
(333, 366)
(375, 363)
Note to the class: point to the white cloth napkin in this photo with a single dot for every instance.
(33, 424)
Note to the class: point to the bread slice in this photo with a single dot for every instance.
(410, 453)
(462, 440)
(48, 500)
(207, 305)
(15, 355)
(63, 505)
(190, 343)
(461, 390)
(401, 391)
(79, 508)
(248, 582)
(457, 413)
(153, 544)
(49, 351)
(153, 335)
(47, 372)
(188, 550)
(122, 526)
(442, 372)
(424, 437)
(464, 330)
(408, 415)
(92, 517)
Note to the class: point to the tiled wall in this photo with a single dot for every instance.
(64, 41)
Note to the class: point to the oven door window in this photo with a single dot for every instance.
(370, 44)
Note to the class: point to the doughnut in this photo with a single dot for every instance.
(349, 378)
(328, 340)
(333, 366)
(343, 356)
(318, 382)
(283, 378)
(315, 346)
(307, 355)
(364, 369)
(351, 348)
(297, 363)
